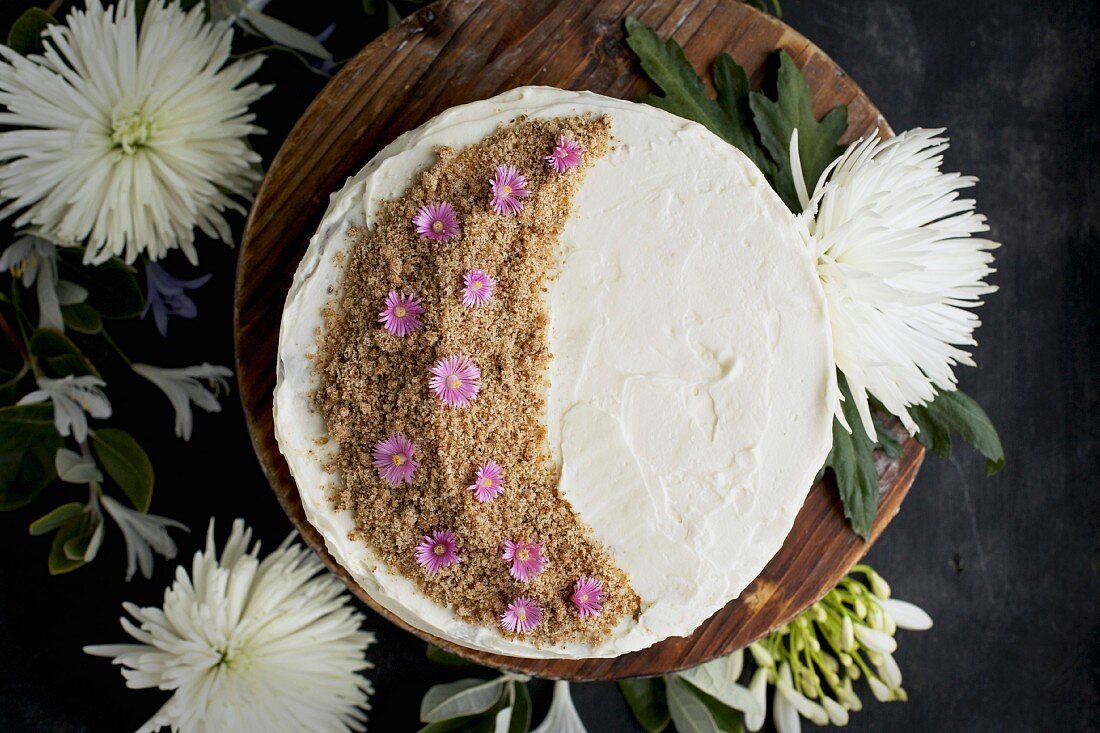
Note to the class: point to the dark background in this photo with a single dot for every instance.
(1007, 567)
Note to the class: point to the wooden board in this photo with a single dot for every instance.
(457, 51)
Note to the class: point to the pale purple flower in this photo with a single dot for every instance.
(567, 154)
(523, 614)
(455, 380)
(526, 557)
(437, 550)
(478, 288)
(393, 457)
(167, 295)
(402, 314)
(489, 482)
(508, 187)
(588, 597)
(436, 221)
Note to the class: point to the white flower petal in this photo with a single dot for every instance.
(907, 615)
(128, 141)
(562, 716)
(182, 387)
(250, 646)
(901, 269)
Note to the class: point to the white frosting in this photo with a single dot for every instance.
(692, 381)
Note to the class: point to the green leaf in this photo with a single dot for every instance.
(74, 529)
(461, 698)
(727, 718)
(690, 714)
(955, 412)
(124, 461)
(440, 656)
(82, 318)
(53, 520)
(520, 720)
(23, 475)
(23, 426)
(25, 36)
(818, 142)
(392, 16)
(685, 95)
(369, 7)
(57, 356)
(9, 382)
(646, 697)
(113, 289)
(853, 463)
(887, 443)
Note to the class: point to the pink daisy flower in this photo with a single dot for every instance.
(436, 221)
(456, 380)
(479, 288)
(508, 186)
(489, 483)
(527, 559)
(393, 457)
(523, 614)
(402, 314)
(588, 597)
(437, 551)
(567, 154)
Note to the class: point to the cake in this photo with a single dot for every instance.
(555, 375)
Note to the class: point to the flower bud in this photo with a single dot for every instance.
(879, 586)
(876, 641)
(860, 608)
(889, 670)
(836, 712)
(907, 615)
(847, 634)
(761, 655)
(879, 690)
(758, 688)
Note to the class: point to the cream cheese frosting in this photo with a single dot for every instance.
(691, 386)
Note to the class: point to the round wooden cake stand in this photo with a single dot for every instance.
(458, 51)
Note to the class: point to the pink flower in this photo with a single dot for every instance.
(567, 154)
(456, 380)
(522, 615)
(393, 457)
(489, 483)
(436, 221)
(402, 314)
(527, 559)
(508, 187)
(588, 597)
(437, 551)
(479, 288)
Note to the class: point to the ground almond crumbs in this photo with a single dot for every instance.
(374, 384)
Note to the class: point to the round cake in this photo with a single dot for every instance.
(555, 375)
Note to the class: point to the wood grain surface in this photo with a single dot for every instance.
(457, 51)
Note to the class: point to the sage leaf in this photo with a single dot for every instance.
(718, 679)
(776, 120)
(25, 36)
(126, 463)
(284, 34)
(82, 318)
(647, 699)
(59, 562)
(690, 714)
(461, 698)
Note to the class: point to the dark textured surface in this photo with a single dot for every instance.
(1007, 566)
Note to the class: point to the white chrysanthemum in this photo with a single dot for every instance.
(249, 645)
(901, 268)
(128, 141)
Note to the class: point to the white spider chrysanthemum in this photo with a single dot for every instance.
(249, 645)
(901, 268)
(128, 141)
